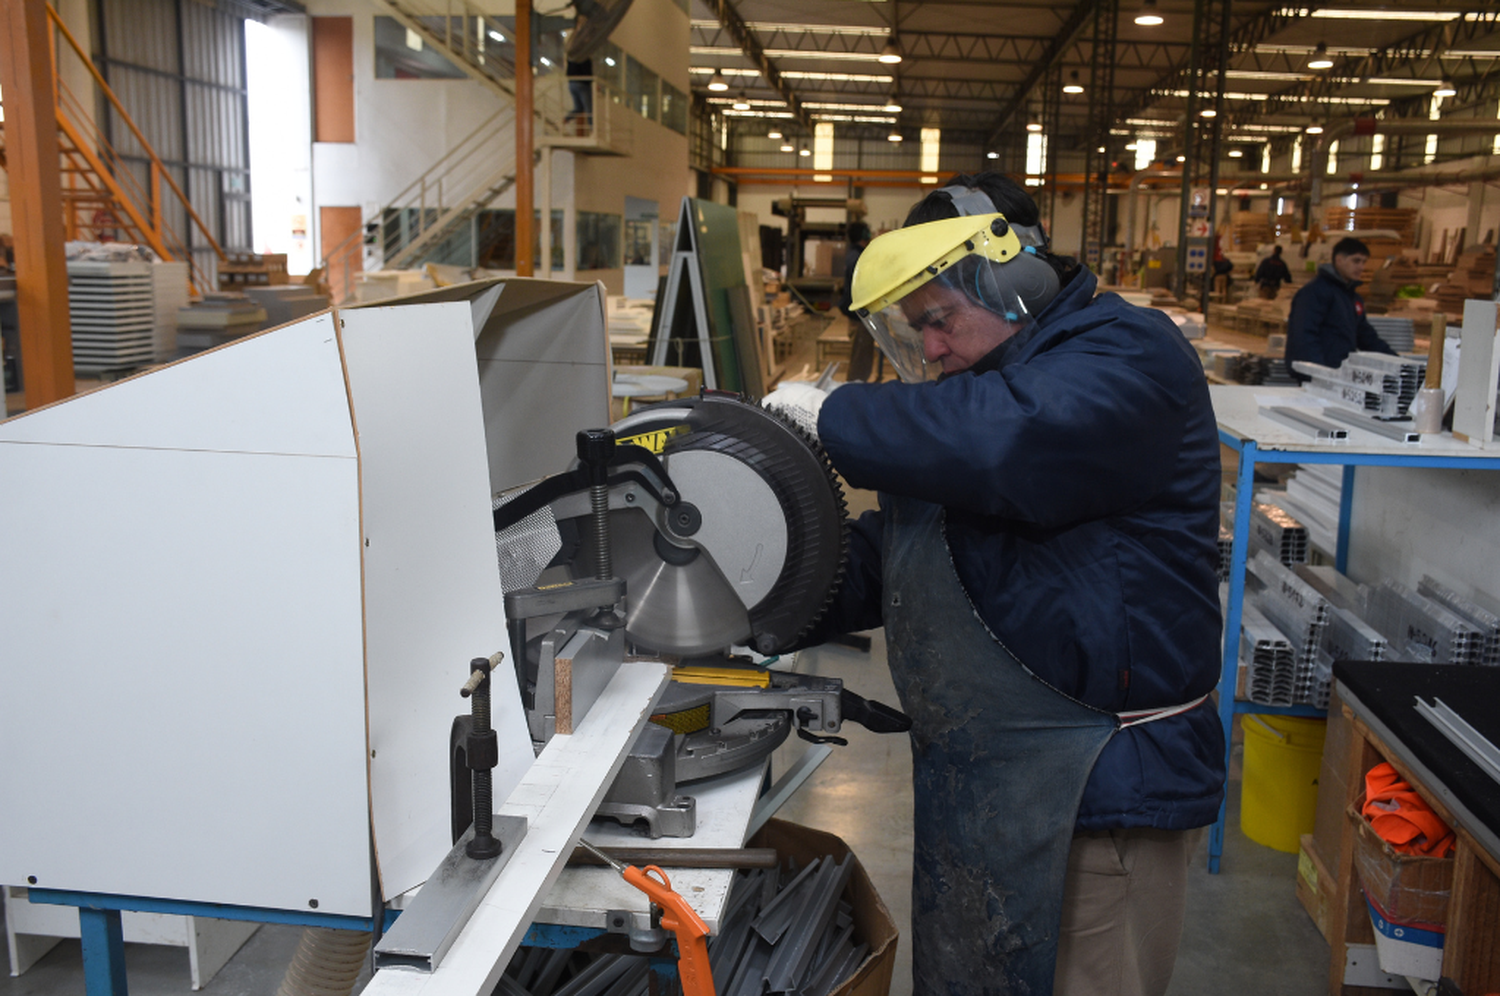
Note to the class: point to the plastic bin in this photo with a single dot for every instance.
(1279, 793)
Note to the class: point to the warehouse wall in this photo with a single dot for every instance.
(1406, 523)
(656, 33)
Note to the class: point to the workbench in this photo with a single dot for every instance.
(1378, 700)
(1261, 440)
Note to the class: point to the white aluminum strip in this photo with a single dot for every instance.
(558, 795)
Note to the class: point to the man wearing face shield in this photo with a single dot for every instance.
(1043, 562)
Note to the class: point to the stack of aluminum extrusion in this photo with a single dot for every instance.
(1265, 660)
(1275, 531)
(1421, 629)
(1300, 613)
(1487, 622)
(1376, 384)
(1397, 333)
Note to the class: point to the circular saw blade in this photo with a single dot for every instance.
(726, 594)
(673, 608)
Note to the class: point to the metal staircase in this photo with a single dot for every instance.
(427, 219)
(104, 195)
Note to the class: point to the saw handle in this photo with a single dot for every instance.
(678, 917)
(877, 717)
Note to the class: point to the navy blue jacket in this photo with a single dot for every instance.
(1328, 322)
(1079, 471)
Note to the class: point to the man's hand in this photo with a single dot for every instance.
(799, 401)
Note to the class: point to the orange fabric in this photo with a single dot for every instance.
(1401, 817)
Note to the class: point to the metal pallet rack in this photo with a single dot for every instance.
(1260, 440)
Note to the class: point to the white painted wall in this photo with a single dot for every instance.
(1406, 523)
(279, 72)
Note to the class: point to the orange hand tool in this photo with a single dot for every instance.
(677, 916)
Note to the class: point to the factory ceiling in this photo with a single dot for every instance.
(984, 71)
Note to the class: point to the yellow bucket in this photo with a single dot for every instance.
(1279, 793)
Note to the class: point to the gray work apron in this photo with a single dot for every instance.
(1000, 760)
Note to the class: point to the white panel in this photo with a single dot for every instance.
(1407, 522)
(182, 664)
(557, 796)
(279, 392)
(432, 584)
(1478, 358)
(534, 411)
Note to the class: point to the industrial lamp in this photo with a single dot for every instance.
(1315, 129)
(892, 105)
(890, 55)
(1320, 58)
(1148, 17)
(717, 83)
(894, 136)
(1074, 86)
(774, 133)
(1446, 89)
(741, 102)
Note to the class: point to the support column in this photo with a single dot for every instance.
(524, 144)
(546, 209)
(36, 201)
(103, 952)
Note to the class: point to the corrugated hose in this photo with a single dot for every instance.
(327, 963)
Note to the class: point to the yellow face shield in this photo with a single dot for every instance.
(978, 260)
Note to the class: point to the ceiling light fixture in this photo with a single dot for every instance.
(717, 83)
(1320, 58)
(992, 155)
(804, 151)
(1236, 154)
(1208, 112)
(1033, 126)
(1182, 159)
(742, 102)
(1315, 129)
(894, 136)
(890, 55)
(497, 36)
(787, 147)
(774, 133)
(1446, 89)
(892, 105)
(1074, 86)
(1148, 17)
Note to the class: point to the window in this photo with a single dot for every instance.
(641, 89)
(609, 68)
(495, 240)
(401, 54)
(1145, 153)
(931, 146)
(674, 108)
(598, 241)
(638, 242)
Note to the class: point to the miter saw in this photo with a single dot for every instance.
(687, 529)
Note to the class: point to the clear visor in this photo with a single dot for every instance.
(949, 323)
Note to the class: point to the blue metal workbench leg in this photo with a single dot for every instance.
(1346, 503)
(1229, 675)
(103, 952)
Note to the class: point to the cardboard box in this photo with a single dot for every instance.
(872, 921)
(1314, 885)
(1408, 889)
(1333, 790)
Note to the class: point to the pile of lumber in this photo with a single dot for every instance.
(1402, 221)
(1249, 229)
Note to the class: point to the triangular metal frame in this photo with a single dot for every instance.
(685, 262)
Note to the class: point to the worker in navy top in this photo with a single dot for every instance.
(1327, 321)
(1043, 562)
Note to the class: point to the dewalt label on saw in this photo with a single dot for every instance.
(655, 441)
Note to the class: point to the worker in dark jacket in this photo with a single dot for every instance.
(1271, 274)
(1043, 562)
(1328, 321)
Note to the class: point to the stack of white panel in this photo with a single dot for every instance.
(113, 315)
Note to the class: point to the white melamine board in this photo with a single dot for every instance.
(584, 896)
(1478, 365)
(432, 585)
(278, 392)
(183, 653)
(1237, 410)
(557, 796)
(553, 401)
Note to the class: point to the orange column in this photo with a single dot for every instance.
(36, 201)
(524, 176)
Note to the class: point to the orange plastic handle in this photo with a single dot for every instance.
(680, 918)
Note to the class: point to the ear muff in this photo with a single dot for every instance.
(1034, 280)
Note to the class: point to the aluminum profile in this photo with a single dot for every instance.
(1488, 623)
(1276, 532)
(1401, 434)
(1318, 428)
(1420, 628)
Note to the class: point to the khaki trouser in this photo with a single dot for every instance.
(1123, 906)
